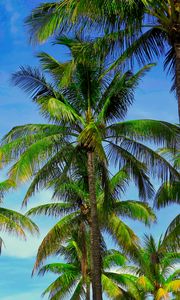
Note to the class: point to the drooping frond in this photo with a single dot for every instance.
(52, 209)
(120, 232)
(57, 268)
(110, 288)
(159, 132)
(113, 258)
(136, 170)
(169, 192)
(173, 286)
(58, 110)
(33, 82)
(34, 157)
(57, 234)
(55, 168)
(5, 186)
(45, 20)
(62, 286)
(14, 222)
(171, 237)
(135, 210)
(31, 129)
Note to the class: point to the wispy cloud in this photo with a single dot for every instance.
(13, 15)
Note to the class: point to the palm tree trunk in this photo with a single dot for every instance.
(95, 232)
(87, 289)
(84, 260)
(177, 51)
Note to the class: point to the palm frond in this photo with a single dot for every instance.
(52, 209)
(169, 192)
(33, 82)
(12, 221)
(171, 237)
(110, 288)
(5, 186)
(135, 210)
(45, 20)
(57, 234)
(113, 258)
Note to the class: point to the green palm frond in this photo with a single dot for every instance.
(57, 234)
(174, 275)
(120, 232)
(31, 129)
(33, 82)
(52, 209)
(31, 160)
(113, 258)
(5, 186)
(135, 210)
(126, 282)
(14, 222)
(110, 288)
(57, 268)
(171, 237)
(62, 286)
(159, 132)
(58, 110)
(43, 23)
(136, 169)
(79, 291)
(169, 192)
(61, 72)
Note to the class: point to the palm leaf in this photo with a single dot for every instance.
(169, 192)
(57, 234)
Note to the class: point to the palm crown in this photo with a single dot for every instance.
(155, 267)
(157, 23)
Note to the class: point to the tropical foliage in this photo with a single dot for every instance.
(87, 154)
(85, 103)
(152, 27)
(14, 222)
(72, 284)
(156, 269)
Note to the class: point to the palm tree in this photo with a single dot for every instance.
(155, 267)
(11, 221)
(75, 210)
(71, 282)
(160, 19)
(83, 101)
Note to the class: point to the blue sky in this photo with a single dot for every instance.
(153, 100)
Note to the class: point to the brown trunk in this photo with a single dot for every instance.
(177, 51)
(87, 289)
(84, 260)
(95, 233)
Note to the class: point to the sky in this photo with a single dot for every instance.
(153, 101)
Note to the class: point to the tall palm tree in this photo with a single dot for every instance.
(11, 221)
(85, 103)
(160, 19)
(156, 269)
